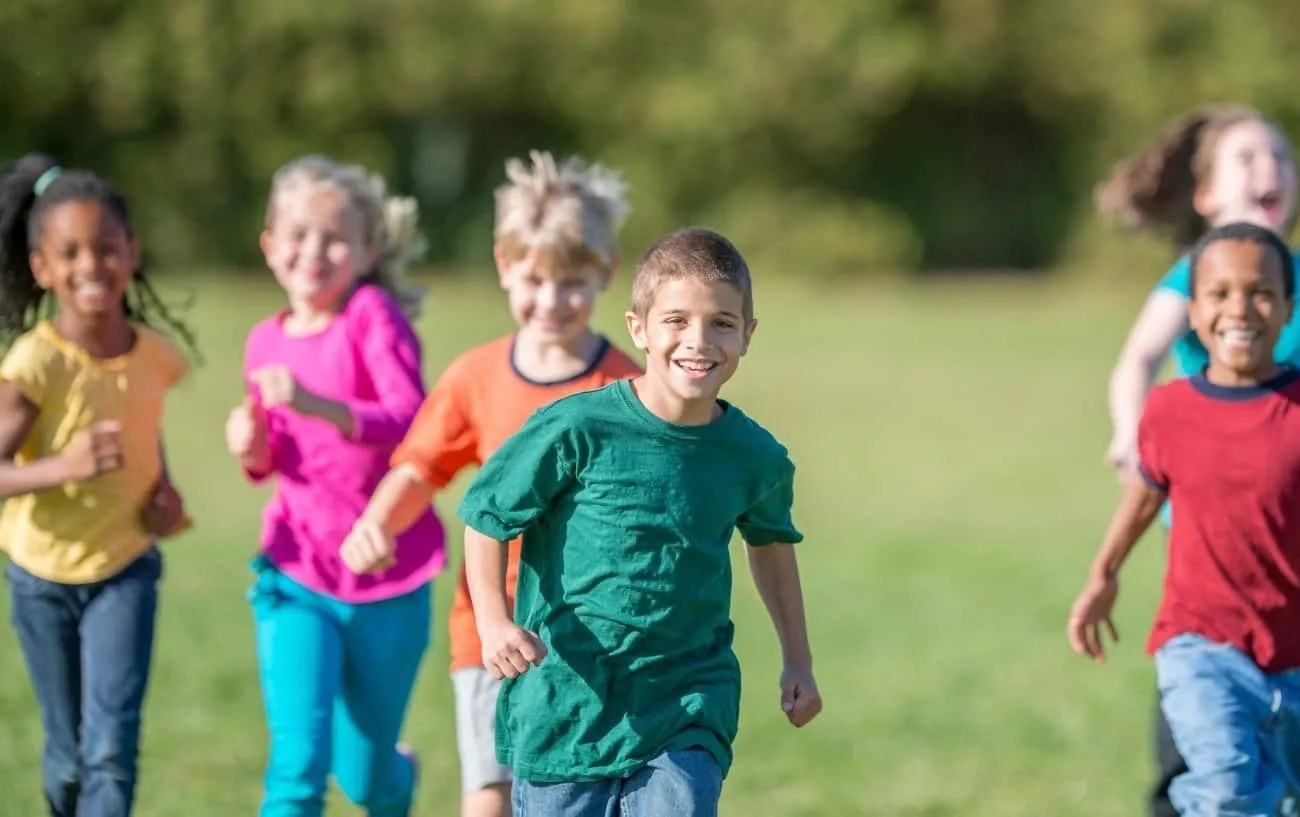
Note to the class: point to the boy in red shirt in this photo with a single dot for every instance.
(1224, 447)
(556, 250)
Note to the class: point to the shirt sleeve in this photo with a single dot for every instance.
(391, 353)
(444, 438)
(171, 363)
(522, 478)
(1152, 457)
(26, 367)
(1178, 279)
(771, 519)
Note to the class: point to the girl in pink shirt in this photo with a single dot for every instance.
(333, 383)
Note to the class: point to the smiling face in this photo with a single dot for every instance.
(1238, 308)
(1252, 178)
(315, 245)
(550, 301)
(86, 257)
(694, 334)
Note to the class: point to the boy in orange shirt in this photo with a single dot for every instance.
(556, 250)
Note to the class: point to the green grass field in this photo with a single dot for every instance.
(949, 444)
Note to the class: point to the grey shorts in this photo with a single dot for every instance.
(476, 712)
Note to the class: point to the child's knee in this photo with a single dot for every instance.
(110, 746)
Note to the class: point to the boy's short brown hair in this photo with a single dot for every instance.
(696, 253)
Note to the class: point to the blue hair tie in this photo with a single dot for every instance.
(46, 178)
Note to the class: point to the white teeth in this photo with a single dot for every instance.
(695, 365)
(93, 289)
(1238, 337)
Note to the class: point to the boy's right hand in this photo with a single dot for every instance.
(509, 650)
(246, 431)
(1091, 611)
(95, 451)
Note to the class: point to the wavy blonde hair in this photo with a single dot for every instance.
(391, 224)
(574, 209)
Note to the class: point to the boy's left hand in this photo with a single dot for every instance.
(800, 699)
(163, 514)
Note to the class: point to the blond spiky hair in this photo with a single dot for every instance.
(391, 223)
(575, 208)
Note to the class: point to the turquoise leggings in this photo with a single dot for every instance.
(336, 680)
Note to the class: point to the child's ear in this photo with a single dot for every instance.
(1202, 202)
(1191, 309)
(636, 328)
(503, 268)
(750, 329)
(36, 261)
(264, 243)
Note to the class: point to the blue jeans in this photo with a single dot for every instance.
(88, 649)
(681, 784)
(336, 680)
(1237, 727)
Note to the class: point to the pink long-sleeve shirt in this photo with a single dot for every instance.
(368, 358)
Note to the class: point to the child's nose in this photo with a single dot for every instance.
(697, 337)
(547, 296)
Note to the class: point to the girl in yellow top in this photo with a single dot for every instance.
(82, 476)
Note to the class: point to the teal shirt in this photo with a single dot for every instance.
(625, 575)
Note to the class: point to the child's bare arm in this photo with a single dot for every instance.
(775, 569)
(1138, 507)
(92, 452)
(1092, 610)
(1162, 320)
(164, 514)
(485, 573)
(776, 575)
(399, 500)
(508, 649)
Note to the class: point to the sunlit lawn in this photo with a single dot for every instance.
(949, 448)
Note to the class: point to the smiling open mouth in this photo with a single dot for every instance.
(696, 367)
(1239, 338)
(1271, 204)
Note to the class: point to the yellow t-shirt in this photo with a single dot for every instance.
(87, 531)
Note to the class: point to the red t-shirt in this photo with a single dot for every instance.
(1230, 460)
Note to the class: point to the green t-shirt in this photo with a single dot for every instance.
(625, 574)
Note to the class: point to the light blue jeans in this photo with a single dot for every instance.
(336, 679)
(681, 784)
(1237, 727)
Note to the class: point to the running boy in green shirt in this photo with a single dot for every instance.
(622, 692)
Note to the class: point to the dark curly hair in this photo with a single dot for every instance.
(22, 300)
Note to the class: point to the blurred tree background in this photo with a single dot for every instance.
(847, 138)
